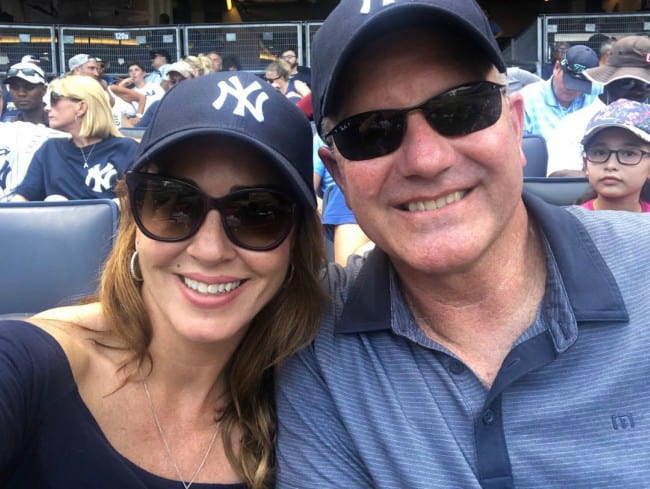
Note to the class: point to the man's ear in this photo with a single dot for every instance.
(516, 107)
(325, 154)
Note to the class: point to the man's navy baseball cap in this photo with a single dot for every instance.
(578, 58)
(242, 106)
(353, 23)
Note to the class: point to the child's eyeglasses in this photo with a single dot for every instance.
(629, 157)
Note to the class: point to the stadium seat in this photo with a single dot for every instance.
(51, 253)
(557, 190)
(534, 148)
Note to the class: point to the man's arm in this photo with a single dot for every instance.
(314, 448)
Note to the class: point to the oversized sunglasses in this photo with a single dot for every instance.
(459, 111)
(55, 98)
(173, 209)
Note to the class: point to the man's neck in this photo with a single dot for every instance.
(478, 314)
(34, 116)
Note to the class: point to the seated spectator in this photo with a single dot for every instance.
(85, 65)
(201, 64)
(88, 165)
(547, 102)
(617, 156)
(231, 63)
(301, 73)
(518, 78)
(625, 75)
(27, 87)
(160, 60)
(277, 74)
(557, 54)
(136, 81)
(340, 225)
(178, 72)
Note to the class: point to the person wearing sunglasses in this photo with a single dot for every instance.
(27, 87)
(490, 339)
(277, 74)
(625, 75)
(213, 280)
(547, 102)
(88, 165)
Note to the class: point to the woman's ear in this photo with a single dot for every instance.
(82, 108)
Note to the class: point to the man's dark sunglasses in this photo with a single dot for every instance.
(459, 111)
(55, 98)
(173, 209)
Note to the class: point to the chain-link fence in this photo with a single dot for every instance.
(310, 32)
(590, 30)
(252, 45)
(117, 46)
(17, 41)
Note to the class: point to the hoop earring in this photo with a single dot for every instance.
(132, 264)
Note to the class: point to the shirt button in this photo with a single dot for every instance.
(456, 367)
(488, 416)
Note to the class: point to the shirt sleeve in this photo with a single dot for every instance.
(33, 185)
(314, 448)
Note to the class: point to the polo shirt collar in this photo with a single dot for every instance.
(590, 286)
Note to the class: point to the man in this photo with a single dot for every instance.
(567, 91)
(83, 64)
(27, 88)
(301, 73)
(557, 54)
(626, 74)
(487, 341)
(160, 59)
(215, 61)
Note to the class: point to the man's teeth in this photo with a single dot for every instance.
(203, 288)
(428, 205)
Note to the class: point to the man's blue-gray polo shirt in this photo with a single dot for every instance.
(374, 403)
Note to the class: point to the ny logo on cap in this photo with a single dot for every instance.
(242, 95)
(367, 4)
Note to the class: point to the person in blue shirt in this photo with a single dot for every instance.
(88, 165)
(490, 340)
(213, 280)
(567, 91)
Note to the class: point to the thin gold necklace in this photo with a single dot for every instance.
(186, 485)
(84, 154)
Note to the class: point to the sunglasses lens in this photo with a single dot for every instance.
(464, 111)
(257, 219)
(165, 209)
(370, 135)
(457, 112)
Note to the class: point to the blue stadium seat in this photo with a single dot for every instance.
(557, 190)
(51, 253)
(534, 148)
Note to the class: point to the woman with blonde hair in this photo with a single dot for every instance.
(88, 165)
(278, 74)
(200, 64)
(214, 280)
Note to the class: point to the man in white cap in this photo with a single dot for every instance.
(83, 64)
(27, 88)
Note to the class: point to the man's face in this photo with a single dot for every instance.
(26, 96)
(563, 94)
(90, 68)
(290, 57)
(475, 181)
(629, 88)
(157, 61)
(215, 61)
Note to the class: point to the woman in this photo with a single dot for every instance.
(277, 74)
(88, 165)
(213, 280)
